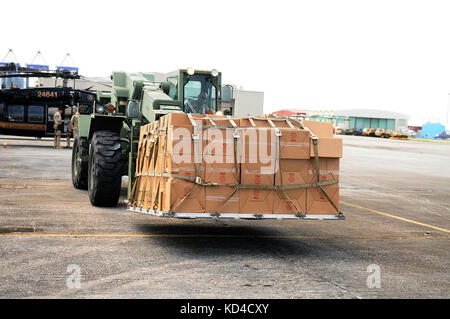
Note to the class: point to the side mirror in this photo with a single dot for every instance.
(227, 93)
(133, 109)
(165, 86)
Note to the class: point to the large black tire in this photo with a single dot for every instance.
(105, 169)
(80, 151)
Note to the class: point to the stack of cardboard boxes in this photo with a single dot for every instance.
(330, 151)
(199, 164)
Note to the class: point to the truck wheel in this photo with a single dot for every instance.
(80, 151)
(105, 169)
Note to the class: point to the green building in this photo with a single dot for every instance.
(366, 118)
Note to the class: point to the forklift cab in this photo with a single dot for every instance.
(197, 91)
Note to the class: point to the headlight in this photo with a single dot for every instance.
(84, 109)
(190, 71)
(100, 109)
(214, 72)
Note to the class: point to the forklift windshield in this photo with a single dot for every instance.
(200, 94)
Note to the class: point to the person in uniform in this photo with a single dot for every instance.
(202, 105)
(58, 121)
(69, 134)
(70, 128)
(74, 123)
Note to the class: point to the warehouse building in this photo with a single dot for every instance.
(366, 118)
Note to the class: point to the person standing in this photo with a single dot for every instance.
(58, 121)
(74, 123)
(68, 134)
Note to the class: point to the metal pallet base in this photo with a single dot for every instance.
(232, 216)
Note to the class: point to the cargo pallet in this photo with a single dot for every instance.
(151, 192)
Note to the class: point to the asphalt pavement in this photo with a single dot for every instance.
(394, 242)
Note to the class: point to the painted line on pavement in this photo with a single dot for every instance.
(396, 217)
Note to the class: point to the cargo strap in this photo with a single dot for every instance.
(197, 152)
(201, 182)
(315, 141)
(237, 158)
(147, 150)
(329, 200)
(196, 139)
(236, 136)
(316, 157)
(211, 121)
(139, 165)
(317, 165)
(278, 161)
(161, 141)
(182, 200)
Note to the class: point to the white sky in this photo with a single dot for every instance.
(391, 55)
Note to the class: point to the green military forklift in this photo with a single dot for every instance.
(105, 148)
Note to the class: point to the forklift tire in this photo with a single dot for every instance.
(80, 150)
(105, 169)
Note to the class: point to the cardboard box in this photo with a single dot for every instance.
(245, 122)
(183, 168)
(262, 144)
(294, 144)
(164, 189)
(223, 121)
(180, 141)
(219, 142)
(328, 147)
(215, 199)
(158, 162)
(173, 192)
(282, 205)
(223, 173)
(258, 144)
(329, 169)
(182, 119)
(257, 166)
(316, 201)
(320, 129)
(255, 173)
(293, 172)
(256, 201)
(280, 123)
